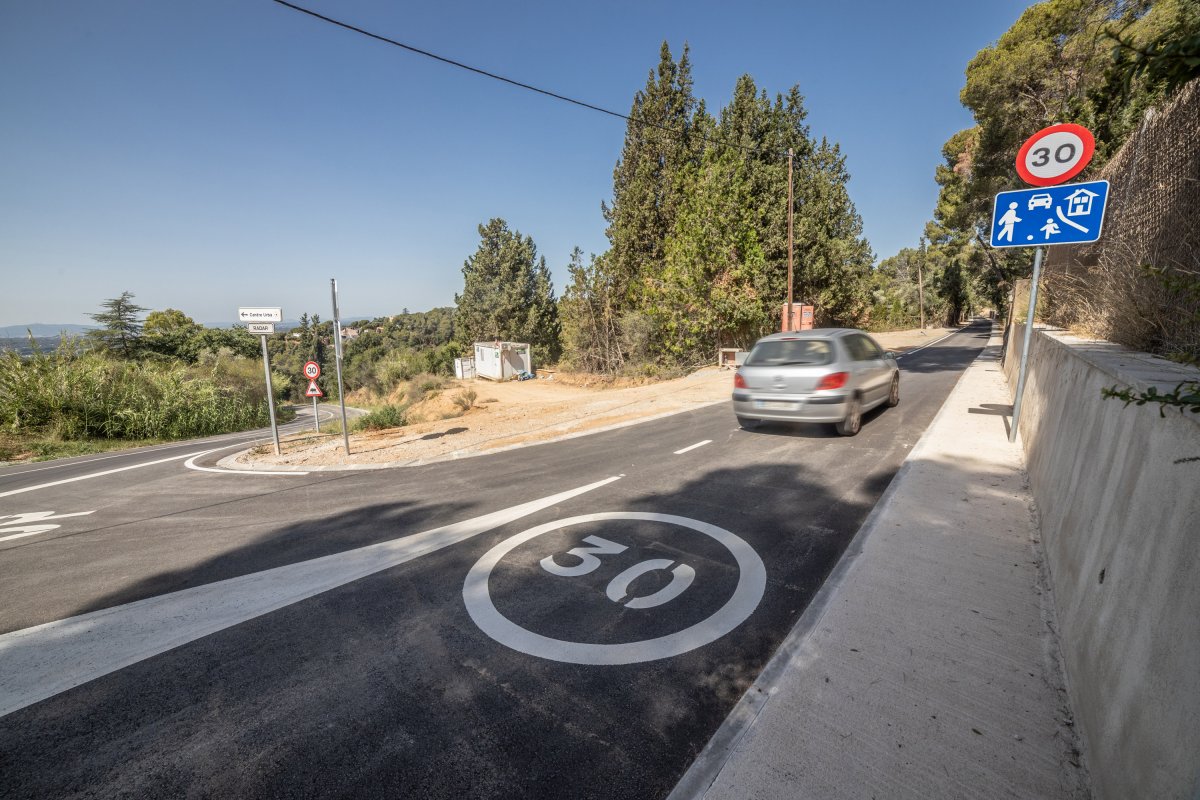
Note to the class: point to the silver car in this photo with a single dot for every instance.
(826, 375)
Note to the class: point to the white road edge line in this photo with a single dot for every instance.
(243, 438)
(102, 473)
(191, 464)
(931, 344)
(39, 662)
(119, 454)
(693, 447)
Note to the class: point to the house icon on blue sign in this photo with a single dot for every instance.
(1079, 203)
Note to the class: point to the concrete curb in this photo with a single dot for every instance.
(232, 464)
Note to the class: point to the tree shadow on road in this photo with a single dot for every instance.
(290, 544)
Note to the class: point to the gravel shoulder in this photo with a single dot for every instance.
(515, 414)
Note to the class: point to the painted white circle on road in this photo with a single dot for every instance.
(752, 582)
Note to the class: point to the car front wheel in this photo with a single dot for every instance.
(894, 394)
(852, 423)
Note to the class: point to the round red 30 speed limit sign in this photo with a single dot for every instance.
(312, 370)
(1056, 154)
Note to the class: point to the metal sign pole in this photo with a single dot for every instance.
(270, 394)
(337, 352)
(791, 324)
(316, 417)
(1033, 288)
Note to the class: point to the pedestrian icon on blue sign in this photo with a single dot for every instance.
(1007, 222)
(1068, 214)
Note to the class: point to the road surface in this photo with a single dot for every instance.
(572, 620)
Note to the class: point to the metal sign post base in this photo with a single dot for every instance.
(1033, 288)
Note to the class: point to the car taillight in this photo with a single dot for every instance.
(739, 382)
(834, 380)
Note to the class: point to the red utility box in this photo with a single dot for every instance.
(802, 318)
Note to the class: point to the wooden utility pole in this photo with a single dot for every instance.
(921, 282)
(791, 213)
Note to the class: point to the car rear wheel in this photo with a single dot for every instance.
(851, 425)
(894, 394)
(747, 423)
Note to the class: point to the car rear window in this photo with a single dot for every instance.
(780, 352)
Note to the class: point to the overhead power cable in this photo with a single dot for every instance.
(510, 81)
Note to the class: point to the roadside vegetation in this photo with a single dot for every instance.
(130, 383)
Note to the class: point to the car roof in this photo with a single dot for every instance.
(813, 333)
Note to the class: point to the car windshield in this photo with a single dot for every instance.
(781, 352)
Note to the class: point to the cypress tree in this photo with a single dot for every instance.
(645, 179)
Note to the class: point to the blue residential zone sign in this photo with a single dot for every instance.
(1067, 214)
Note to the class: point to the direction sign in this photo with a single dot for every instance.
(1055, 154)
(312, 370)
(313, 390)
(1052, 215)
(262, 328)
(260, 315)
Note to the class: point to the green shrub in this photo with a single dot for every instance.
(395, 368)
(389, 416)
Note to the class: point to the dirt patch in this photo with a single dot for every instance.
(516, 413)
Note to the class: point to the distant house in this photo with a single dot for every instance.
(349, 333)
(1079, 202)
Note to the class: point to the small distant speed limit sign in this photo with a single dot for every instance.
(312, 370)
(1056, 154)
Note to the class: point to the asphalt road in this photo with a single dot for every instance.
(568, 620)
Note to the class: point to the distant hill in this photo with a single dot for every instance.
(22, 345)
(41, 329)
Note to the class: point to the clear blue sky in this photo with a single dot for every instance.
(206, 154)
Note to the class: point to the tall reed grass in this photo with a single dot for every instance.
(73, 394)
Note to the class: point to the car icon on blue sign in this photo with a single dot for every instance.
(1040, 201)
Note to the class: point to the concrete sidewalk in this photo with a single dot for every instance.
(928, 666)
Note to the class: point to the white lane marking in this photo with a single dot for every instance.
(21, 525)
(752, 582)
(693, 447)
(123, 453)
(242, 439)
(931, 344)
(100, 474)
(191, 464)
(39, 662)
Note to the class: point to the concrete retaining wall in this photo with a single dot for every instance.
(1121, 528)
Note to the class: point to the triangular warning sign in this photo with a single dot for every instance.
(314, 390)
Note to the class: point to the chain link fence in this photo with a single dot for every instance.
(1139, 285)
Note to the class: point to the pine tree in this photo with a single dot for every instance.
(121, 329)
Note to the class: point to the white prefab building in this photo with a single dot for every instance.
(464, 368)
(501, 361)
